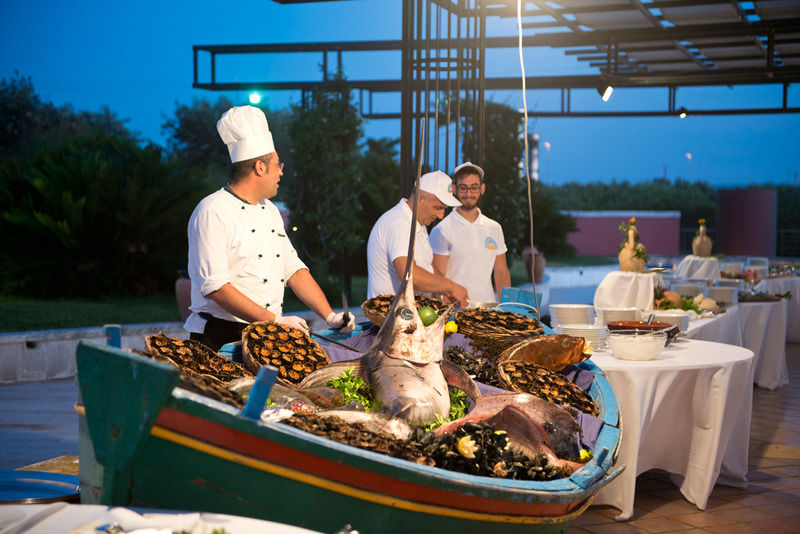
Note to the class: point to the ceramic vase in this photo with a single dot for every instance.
(628, 262)
(701, 244)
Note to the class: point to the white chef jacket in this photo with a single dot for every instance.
(388, 241)
(231, 241)
(473, 248)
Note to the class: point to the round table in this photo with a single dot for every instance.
(627, 289)
(686, 412)
(692, 266)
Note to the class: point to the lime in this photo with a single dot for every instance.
(450, 327)
(428, 315)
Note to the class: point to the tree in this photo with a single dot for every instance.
(322, 184)
(378, 190)
(94, 216)
(506, 198)
(28, 123)
(193, 139)
(192, 135)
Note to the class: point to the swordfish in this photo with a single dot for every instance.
(404, 364)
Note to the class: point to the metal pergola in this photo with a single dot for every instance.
(627, 43)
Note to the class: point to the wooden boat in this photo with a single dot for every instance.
(145, 443)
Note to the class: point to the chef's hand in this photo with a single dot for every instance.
(458, 294)
(336, 320)
(294, 321)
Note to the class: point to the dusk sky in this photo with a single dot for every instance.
(136, 58)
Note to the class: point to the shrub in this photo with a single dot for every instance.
(92, 217)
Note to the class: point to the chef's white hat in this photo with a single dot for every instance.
(244, 129)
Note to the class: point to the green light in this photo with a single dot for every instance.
(255, 98)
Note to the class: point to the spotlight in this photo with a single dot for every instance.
(605, 91)
(255, 98)
(682, 112)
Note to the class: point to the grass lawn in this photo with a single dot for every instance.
(20, 314)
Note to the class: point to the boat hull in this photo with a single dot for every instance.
(143, 443)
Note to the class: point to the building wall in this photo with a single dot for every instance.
(598, 233)
(747, 222)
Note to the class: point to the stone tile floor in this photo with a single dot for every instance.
(770, 503)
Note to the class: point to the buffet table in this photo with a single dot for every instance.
(622, 289)
(780, 286)
(722, 328)
(693, 266)
(764, 332)
(686, 412)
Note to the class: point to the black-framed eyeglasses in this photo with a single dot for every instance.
(266, 162)
(474, 188)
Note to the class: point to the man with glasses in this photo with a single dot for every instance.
(240, 257)
(387, 248)
(468, 247)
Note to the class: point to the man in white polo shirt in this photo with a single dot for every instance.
(387, 248)
(468, 246)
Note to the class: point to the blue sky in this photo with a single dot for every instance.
(136, 58)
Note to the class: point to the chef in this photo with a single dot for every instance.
(240, 257)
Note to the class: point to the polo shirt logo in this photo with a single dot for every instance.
(490, 244)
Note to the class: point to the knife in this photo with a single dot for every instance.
(346, 310)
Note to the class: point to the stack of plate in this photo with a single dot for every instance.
(606, 315)
(571, 313)
(594, 334)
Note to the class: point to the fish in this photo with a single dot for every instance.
(379, 423)
(552, 351)
(557, 424)
(528, 436)
(405, 364)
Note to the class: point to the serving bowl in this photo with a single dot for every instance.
(641, 326)
(635, 345)
(679, 318)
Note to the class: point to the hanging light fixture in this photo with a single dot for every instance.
(605, 91)
(682, 112)
(605, 88)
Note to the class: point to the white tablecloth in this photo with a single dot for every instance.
(693, 266)
(625, 289)
(686, 412)
(764, 332)
(780, 286)
(723, 328)
(60, 517)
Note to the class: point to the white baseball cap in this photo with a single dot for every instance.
(439, 184)
(244, 129)
(469, 164)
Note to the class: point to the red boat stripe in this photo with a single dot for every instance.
(378, 485)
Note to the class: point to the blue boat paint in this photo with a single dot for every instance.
(260, 391)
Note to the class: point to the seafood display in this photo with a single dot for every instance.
(537, 380)
(194, 356)
(179, 450)
(552, 351)
(376, 308)
(478, 449)
(292, 351)
(477, 368)
(479, 322)
(764, 297)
